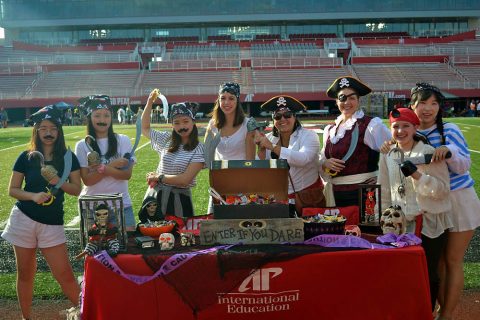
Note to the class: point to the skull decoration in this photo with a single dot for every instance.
(187, 239)
(101, 215)
(352, 230)
(166, 241)
(48, 172)
(393, 221)
(93, 157)
(151, 208)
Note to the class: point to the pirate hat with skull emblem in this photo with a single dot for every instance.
(283, 102)
(347, 82)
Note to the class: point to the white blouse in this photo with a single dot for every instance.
(231, 147)
(427, 196)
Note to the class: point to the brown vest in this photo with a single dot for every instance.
(363, 158)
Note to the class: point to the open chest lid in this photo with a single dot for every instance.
(231, 177)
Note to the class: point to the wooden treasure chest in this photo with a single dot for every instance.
(240, 179)
(265, 219)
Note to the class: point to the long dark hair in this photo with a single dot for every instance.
(59, 148)
(219, 117)
(423, 95)
(112, 138)
(177, 140)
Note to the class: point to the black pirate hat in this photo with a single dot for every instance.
(283, 102)
(184, 109)
(50, 112)
(347, 82)
(95, 102)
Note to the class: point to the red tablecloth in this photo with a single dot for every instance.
(364, 284)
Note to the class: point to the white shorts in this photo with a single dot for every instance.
(24, 232)
(465, 210)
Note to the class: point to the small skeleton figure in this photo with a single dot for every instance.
(370, 207)
(150, 211)
(393, 221)
(102, 235)
(187, 239)
(93, 157)
(166, 241)
(353, 230)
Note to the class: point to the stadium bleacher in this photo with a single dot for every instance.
(188, 82)
(82, 83)
(184, 65)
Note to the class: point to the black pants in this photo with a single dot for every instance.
(433, 250)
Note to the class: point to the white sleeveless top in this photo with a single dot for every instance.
(231, 147)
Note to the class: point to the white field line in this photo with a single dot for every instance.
(26, 144)
(3, 224)
(75, 221)
(466, 124)
(474, 151)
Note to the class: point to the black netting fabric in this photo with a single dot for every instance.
(200, 281)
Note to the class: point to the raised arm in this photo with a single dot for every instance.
(147, 113)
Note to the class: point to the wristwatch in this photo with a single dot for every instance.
(160, 178)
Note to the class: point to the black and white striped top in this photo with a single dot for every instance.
(176, 162)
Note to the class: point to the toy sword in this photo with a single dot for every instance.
(138, 135)
(425, 159)
(67, 168)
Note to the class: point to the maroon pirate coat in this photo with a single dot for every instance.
(363, 159)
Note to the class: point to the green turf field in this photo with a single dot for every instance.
(14, 140)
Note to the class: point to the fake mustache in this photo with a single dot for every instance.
(102, 124)
(182, 130)
(49, 137)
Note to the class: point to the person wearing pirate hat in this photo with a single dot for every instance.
(420, 189)
(351, 145)
(36, 220)
(181, 158)
(110, 172)
(289, 140)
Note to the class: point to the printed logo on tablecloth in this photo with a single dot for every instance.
(255, 295)
(260, 280)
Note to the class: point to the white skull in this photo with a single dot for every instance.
(281, 102)
(352, 230)
(166, 241)
(393, 221)
(344, 83)
(187, 239)
(101, 216)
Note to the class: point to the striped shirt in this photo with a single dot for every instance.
(173, 163)
(455, 141)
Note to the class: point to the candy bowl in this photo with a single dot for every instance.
(155, 229)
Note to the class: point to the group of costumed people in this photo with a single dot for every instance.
(437, 198)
